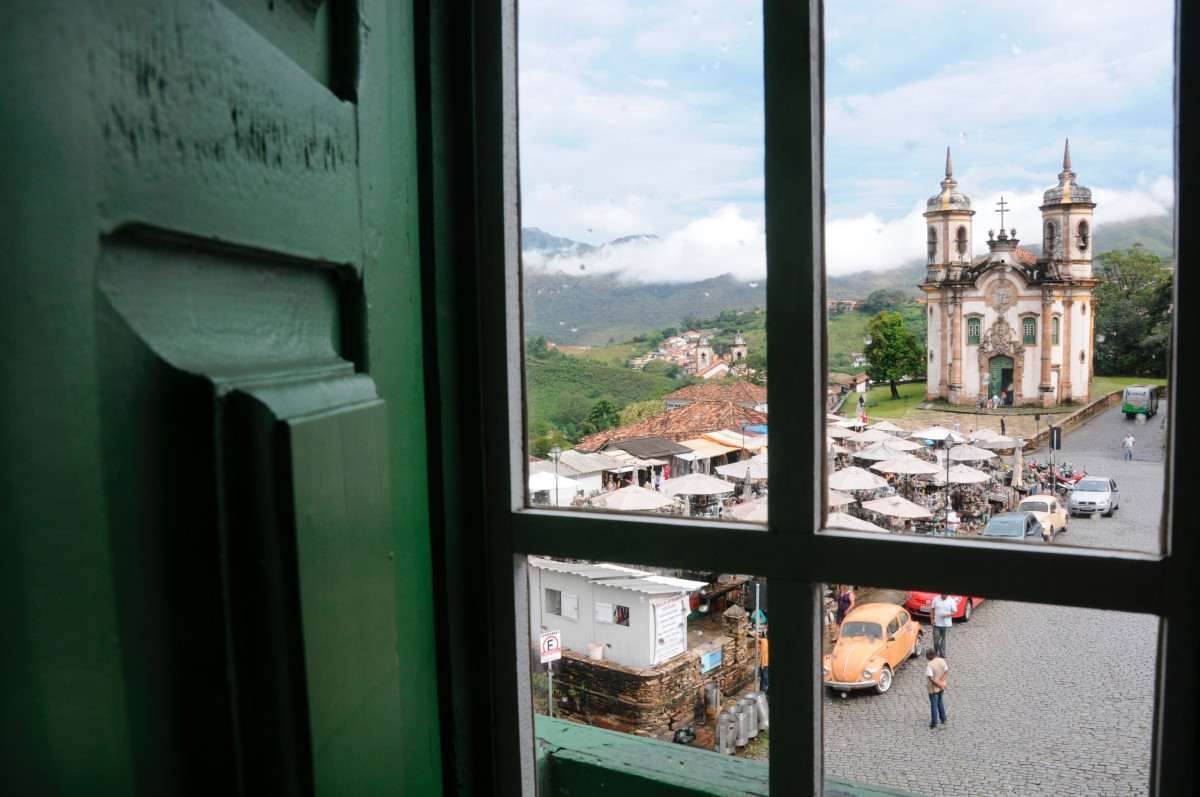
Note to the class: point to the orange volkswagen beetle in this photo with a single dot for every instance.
(874, 640)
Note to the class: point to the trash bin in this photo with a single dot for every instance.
(751, 709)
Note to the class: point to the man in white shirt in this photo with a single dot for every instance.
(936, 673)
(941, 614)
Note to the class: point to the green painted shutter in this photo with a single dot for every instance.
(220, 512)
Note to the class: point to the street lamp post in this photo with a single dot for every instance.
(556, 452)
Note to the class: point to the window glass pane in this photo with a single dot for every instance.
(1012, 678)
(658, 652)
(643, 257)
(1043, 290)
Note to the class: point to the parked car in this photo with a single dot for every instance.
(1013, 525)
(1095, 494)
(918, 603)
(1049, 511)
(873, 641)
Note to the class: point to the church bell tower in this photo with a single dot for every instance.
(1067, 224)
(947, 230)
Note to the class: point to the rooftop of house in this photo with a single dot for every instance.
(735, 390)
(678, 424)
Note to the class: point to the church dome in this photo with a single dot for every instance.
(1067, 189)
(949, 198)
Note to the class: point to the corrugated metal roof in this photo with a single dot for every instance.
(618, 576)
(592, 571)
(647, 447)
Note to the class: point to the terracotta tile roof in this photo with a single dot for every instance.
(679, 424)
(736, 390)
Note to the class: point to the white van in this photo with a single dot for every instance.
(1140, 400)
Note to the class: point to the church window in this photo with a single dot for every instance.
(1029, 330)
(1054, 330)
(973, 330)
(1084, 236)
(961, 241)
(932, 244)
(1050, 236)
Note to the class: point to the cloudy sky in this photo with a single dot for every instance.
(647, 118)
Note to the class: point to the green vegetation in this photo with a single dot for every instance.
(1133, 315)
(880, 403)
(894, 351)
(845, 333)
(569, 397)
(1103, 385)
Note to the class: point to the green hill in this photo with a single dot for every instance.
(593, 310)
(562, 390)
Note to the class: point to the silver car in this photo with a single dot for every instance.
(1094, 494)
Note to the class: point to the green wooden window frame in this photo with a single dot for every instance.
(1054, 330)
(793, 551)
(1029, 331)
(973, 325)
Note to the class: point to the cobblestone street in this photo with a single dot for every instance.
(1042, 700)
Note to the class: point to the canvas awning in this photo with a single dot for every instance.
(895, 506)
(632, 499)
(749, 442)
(697, 484)
(704, 448)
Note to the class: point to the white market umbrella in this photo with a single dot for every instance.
(746, 469)
(543, 480)
(937, 434)
(750, 512)
(632, 499)
(965, 474)
(760, 457)
(969, 453)
(871, 436)
(829, 416)
(850, 423)
(838, 432)
(854, 478)
(840, 499)
(998, 441)
(900, 444)
(906, 465)
(697, 484)
(895, 506)
(887, 450)
(561, 488)
(886, 426)
(840, 520)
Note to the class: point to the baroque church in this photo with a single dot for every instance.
(1009, 323)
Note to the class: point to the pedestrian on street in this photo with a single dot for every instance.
(1002, 426)
(1127, 445)
(952, 521)
(845, 602)
(764, 661)
(941, 615)
(936, 673)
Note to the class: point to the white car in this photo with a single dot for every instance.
(1094, 494)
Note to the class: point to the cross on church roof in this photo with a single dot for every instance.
(1003, 208)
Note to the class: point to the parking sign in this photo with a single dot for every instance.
(551, 646)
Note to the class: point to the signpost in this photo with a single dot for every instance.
(551, 647)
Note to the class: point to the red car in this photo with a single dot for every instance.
(918, 604)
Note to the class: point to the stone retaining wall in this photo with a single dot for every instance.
(654, 701)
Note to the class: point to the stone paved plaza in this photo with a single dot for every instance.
(1043, 700)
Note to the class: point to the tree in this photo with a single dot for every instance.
(884, 299)
(894, 351)
(603, 415)
(640, 410)
(1133, 313)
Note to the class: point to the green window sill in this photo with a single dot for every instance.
(574, 759)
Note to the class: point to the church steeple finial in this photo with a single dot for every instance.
(949, 165)
(1066, 155)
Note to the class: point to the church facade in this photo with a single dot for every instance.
(1009, 323)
